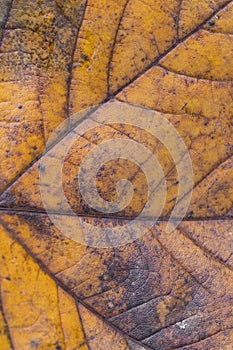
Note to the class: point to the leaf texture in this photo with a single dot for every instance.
(51, 318)
(162, 291)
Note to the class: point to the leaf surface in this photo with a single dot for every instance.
(161, 291)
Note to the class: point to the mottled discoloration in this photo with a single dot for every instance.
(36, 57)
(148, 287)
(165, 291)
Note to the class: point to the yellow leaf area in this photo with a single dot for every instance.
(164, 290)
(161, 291)
(39, 314)
(191, 85)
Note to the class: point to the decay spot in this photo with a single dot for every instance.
(41, 168)
(85, 57)
(182, 324)
(58, 347)
(190, 214)
(211, 23)
(110, 305)
(34, 344)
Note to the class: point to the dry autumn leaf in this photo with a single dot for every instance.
(161, 291)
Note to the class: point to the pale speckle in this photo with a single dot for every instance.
(182, 324)
(110, 304)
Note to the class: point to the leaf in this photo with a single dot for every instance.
(158, 291)
(39, 314)
(151, 288)
(36, 58)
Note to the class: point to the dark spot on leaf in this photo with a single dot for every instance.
(190, 214)
(85, 57)
(211, 23)
(41, 168)
(34, 344)
(58, 347)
